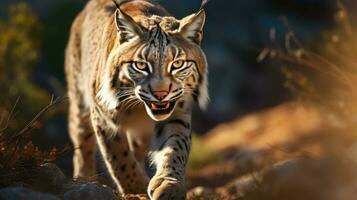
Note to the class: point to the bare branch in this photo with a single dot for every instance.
(9, 116)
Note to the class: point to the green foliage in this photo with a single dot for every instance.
(200, 155)
(20, 39)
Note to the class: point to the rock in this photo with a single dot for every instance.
(57, 176)
(21, 193)
(89, 191)
(251, 182)
(199, 191)
(49, 178)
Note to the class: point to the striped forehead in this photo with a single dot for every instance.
(157, 45)
(158, 37)
(158, 49)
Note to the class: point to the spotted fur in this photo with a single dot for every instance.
(133, 72)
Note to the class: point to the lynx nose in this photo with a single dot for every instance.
(160, 89)
(160, 95)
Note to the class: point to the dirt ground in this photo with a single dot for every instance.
(289, 151)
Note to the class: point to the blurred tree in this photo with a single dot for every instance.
(20, 40)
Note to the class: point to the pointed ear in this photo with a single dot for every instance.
(191, 27)
(126, 26)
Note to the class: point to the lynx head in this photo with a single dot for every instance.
(161, 59)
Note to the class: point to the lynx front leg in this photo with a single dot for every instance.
(119, 159)
(170, 155)
(83, 140)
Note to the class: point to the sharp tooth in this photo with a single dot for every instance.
(153, 106)
(167, 106)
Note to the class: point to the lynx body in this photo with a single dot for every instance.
(133, 73)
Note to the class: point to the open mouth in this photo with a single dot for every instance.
(160, 108)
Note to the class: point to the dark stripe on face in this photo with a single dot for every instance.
(179, 53)
(196, 94)
(176, 95)
(125, 82)
(197, 70)
(140, 52)
(185, 68)
(194, 78)
(114, 81)
(154, 35)
(165, 38)
(146, 52)
(144, 97)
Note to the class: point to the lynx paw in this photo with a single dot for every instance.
(166, 188)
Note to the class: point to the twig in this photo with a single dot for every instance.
(30, 125)
(9, 116)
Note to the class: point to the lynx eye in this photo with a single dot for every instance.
(177, 64)
(141, 66)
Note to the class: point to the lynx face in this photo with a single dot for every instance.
(161, 78)
(164, 64)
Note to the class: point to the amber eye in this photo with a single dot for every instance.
(177, 64)
(141, 65)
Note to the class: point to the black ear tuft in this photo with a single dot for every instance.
(116, 4)
(203, 4)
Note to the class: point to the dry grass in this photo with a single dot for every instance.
(18, 156)
(324, 74)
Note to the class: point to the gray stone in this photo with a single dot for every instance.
(49, 178)
(20, 193)
(53, 173)
(89, 191)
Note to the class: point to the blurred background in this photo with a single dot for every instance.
(258, 71)
(235, 33)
